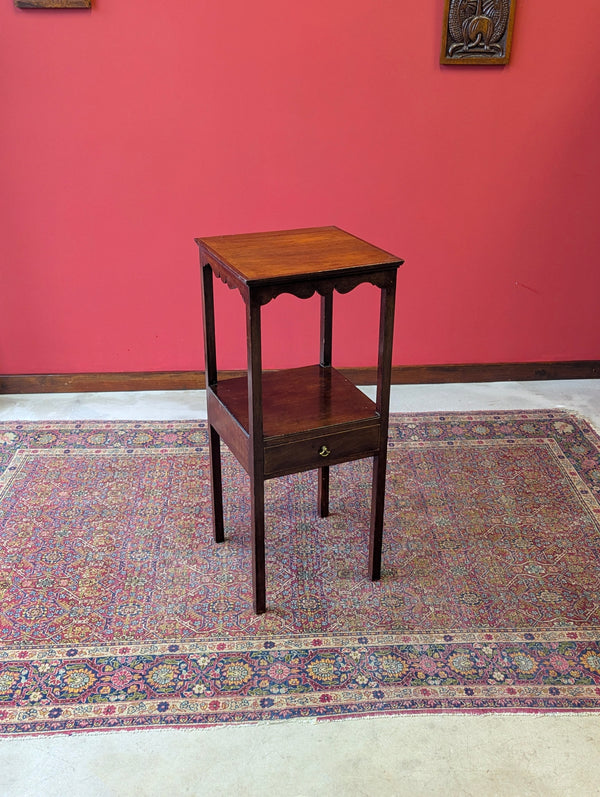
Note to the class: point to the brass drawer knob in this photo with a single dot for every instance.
(324, 451)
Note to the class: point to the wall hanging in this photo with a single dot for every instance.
(53, 3)
(477, 31)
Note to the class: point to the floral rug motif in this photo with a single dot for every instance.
(117, 609)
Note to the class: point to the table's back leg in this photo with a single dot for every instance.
(210, 358)
(384, 371)
(257, 446)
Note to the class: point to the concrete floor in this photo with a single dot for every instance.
(502, 754)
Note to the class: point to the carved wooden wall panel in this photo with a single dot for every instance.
(477, 31)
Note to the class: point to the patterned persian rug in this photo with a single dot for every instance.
(117, 610)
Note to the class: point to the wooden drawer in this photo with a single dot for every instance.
(319, 450)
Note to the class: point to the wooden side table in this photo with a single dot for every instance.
(281, 422)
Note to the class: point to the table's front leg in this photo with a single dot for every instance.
(257, 455)
(384, 372)
(216, 482)
(326, 331)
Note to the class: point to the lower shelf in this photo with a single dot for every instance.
(312, 417)
(298, 399)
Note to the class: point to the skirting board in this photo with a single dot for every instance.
(401, 375)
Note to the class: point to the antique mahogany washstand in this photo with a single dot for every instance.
(282, 422)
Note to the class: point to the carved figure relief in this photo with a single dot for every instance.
(477, 31)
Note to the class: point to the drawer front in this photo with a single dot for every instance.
(321, 450)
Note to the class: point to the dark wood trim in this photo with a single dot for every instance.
(102, 382)
(401, 375)
(489, 372)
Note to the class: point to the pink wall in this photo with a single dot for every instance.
(128, 130)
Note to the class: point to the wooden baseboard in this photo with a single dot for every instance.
(102, 382)
(401, 375)
(496, 372)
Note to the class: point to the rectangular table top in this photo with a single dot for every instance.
(289, 254)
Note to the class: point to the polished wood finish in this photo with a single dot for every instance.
(314, 396)
(401, 375)
(299, 419)
(291, 255)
